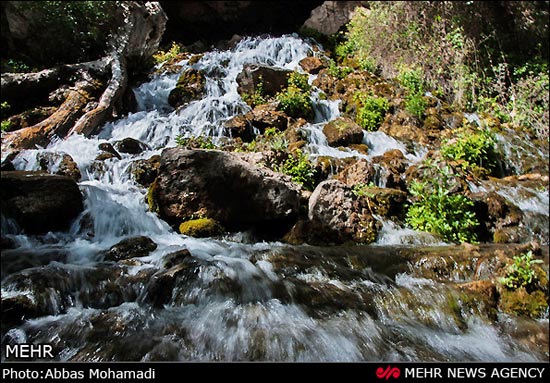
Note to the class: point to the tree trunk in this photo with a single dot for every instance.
(137, 38)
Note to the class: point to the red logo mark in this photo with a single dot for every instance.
(389, 372)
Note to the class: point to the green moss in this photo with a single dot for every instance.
(201, 227)
(520, 302)
(151, 196)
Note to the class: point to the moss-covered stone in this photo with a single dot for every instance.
(151, 197)
(202, 227)
(520, 302)
(190, 86)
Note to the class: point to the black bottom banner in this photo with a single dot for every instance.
(366, 372)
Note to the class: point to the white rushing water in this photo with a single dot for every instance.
(236, 301)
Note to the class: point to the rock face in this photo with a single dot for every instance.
(342, 132)
(132, 247)
(221, 186)
(335, 217)
(311, 65)
(330, 16)
(261, 117)
(190, 87)
(40, 202)
(272, 79)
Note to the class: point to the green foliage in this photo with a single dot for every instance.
(6, 125)
(162, 56)
(437, 210)
(16, 66)
(521, 272)
(415, 104)
(299, 168)
(4, 107)
(295, 102)
(371, 110)
(199, 142)
(276, 139)
(412, 80)
(362, 190)
(256, 98)
(476, 147)
(337, 71)
(299, 80)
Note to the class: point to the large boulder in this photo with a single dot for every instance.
(311, 65)
(224, 187)
(132, 247)
(40, 202)
(359, 172)
(335, 216)
(330, 16)
(273, 80)
(261, 117)
(130, 145)
(342, 132)
(190, 87)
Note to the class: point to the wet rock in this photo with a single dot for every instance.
(311, 65)
(342, 132)
(174, 258)
(261, 117)
(131, 146)
(161, 286)
(20, 307)
(481, 296)
(522, 303)
(499, 218)
(201, 228)
(107, 149)
(273, 80)
(40, 202)
(334, 217)
(393, 165)
(223, 187)
(190, 87)
(385, 202)
(133, 247)
(61, 164)
(144, 172)
(30, 117)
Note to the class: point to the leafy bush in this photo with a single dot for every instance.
(162, 56)
(299, 80)
(298, 166)
(371, 110)
(412, 80)
(415, 104)
(337, 71)
(295, 102)
(438, 211)
(6, 125)
(476, 147)
(521, 272)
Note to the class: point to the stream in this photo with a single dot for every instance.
(233, 299)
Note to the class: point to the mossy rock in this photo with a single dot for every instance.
(190, 87)
(202, 227)
(520, 302)
(151, 197)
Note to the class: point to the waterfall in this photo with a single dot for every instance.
(233, 300)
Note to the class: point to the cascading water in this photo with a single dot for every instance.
(230, 300)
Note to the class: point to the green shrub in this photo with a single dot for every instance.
(6, 125)
(299, 80)
(340, 72)
(162, 56)
(412, 80)
(371, 110)
(415, 104)
(295, 102)
(298, 166)
(476, 147)
(440, 212)
(521, 273)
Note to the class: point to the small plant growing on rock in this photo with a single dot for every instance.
(476, 147)
(439, 211)
(256, 98)
(299, 168)
(371, 110)
(199, 142)
(171, 54)
(521, 273)
(294, 100)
